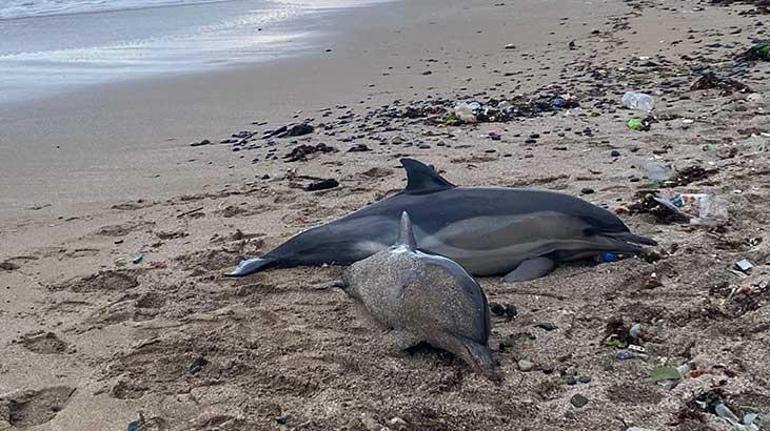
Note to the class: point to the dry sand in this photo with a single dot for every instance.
(91, 339)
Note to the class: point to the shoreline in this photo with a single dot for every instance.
(106, 123)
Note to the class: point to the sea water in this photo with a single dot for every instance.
(48, 46)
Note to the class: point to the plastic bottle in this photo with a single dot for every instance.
(466, 112)
(639, 102)
(655, 171)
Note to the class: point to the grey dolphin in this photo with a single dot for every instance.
(487, 230)
(424, 298)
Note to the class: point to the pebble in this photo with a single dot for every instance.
(578, 401)
(584, 379)
(570, 380)
(322, 185)
(615, 153)
(587, 191)
(282, 419)
(548, 326)
(525, 365)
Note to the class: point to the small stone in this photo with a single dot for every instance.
(587, 191)
(579, 401)
(525, 365)
(547, 369)
(496, 308)
(548, 326)
(570, 380)
(615, 153)
(322, 185)
(584, 379)
(358, 148)
(198, 363)
(282, 419)
(510, 46)
(8, 266)
(198, 144)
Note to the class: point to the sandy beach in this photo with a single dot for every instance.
(115, 231)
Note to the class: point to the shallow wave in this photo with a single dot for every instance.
(15, 9)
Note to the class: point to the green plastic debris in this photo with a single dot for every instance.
(663, 373)
(635, 123)
(760, 51)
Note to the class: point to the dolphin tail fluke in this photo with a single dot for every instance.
(250, 266)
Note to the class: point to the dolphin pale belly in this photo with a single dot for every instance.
(489, 231)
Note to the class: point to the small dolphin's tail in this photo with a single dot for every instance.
(250, 266)
(480, 357)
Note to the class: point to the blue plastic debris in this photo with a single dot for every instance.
(559, 102)
(608, 256)
(136, 259)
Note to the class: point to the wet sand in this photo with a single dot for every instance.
(93, 339)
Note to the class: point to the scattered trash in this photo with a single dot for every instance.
(656, 172)
(744, 266)
(625, 355)
(322, 185)
(638, 102)
(137, 259)
(466, 112)
(608, 257)
(728, 85)
(758, 143)
(760, 51)
(692, 208)
(712, 402)
(642, 125)
(302, 152)
(667, 376)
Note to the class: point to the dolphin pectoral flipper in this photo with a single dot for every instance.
(530, 269)
(401, 340)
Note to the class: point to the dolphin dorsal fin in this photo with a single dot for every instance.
(422, 178)
(405, 233)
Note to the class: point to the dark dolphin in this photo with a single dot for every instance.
(488, 230)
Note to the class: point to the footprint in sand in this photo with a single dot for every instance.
(44, 343)
(120, 280)
(124, 229)
(29, 408)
